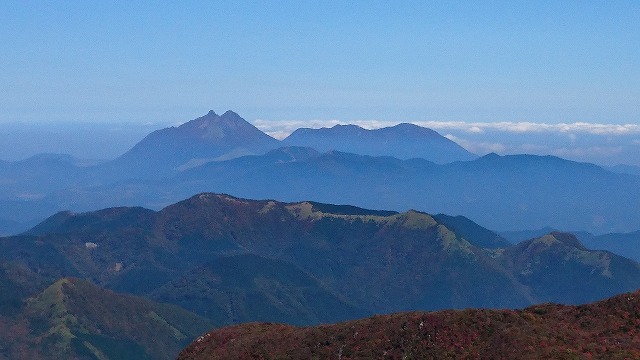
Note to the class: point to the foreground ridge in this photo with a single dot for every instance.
(605, 329)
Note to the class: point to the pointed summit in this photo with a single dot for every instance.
(228, 128)
(230, 114)
(204, 139)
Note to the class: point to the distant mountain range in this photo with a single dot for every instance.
(602, 330)
(88, 283)
(500, 192)
(211, 154)
(222, 260)
(625, 169)
(30, 187)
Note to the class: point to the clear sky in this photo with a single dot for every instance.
(470, 61)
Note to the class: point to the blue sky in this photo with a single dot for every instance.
(556, 61)
(313, 63)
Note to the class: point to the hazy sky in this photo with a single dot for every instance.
(539, 61)
(474, 71)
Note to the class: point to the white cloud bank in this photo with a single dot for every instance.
(531, 127)
(281, 128)
(478, 147)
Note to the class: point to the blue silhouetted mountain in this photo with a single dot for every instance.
(207, 138)
(37, 175)
(626, 244)
(402, 141)
(26, 183)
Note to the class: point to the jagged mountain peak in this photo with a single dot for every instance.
(207, 138)
(214, 126)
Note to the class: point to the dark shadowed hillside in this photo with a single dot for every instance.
(17, 283)
(241, 288)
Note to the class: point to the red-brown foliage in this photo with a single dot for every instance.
(606, 329)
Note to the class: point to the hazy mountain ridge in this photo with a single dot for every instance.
(602, 330)
(499, 192)
(403, 141)
(625, 169)
(30, 186)
(38, 175)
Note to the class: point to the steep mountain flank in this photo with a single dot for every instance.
(75, 319)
